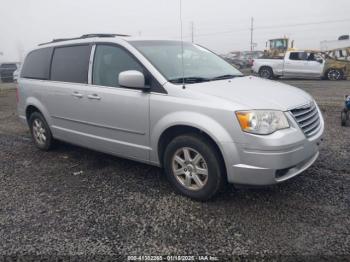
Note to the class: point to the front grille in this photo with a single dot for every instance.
(308, 118)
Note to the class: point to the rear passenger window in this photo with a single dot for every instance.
(109, 61)
(37, 64)
(298, 56)
(71, 64)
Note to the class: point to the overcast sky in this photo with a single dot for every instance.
(221, 25)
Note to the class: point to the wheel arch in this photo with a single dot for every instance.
(265, 65)
(176, 130)
(182, 122)
(34, 105)
(186, 121)
(30, 110)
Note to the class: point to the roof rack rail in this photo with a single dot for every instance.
(103, 35)
(83, 37)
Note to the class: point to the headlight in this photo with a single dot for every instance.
(262, 122)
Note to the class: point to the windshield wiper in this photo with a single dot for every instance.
(189, 80)
(224, 77)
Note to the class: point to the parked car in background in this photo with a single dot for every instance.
(302, 64)
(6, 71)
(16, 73)
(243, 59)
(251, 56)
(171, 104)
(233, 59)
(239, 64)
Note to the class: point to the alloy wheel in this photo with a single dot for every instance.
(334, 74)
(190, 168)
(39, 132)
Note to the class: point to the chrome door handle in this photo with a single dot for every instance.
(77, 94)
(94, 96)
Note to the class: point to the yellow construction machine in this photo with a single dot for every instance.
(276, 48)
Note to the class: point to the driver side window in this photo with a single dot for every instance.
(109, 61)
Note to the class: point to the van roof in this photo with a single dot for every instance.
(87, 38)
(83, 37)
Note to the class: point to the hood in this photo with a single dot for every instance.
(254, 93)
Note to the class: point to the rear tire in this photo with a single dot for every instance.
(40, 131)
(266, 72)
(193, 166)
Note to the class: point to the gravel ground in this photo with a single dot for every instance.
(74, 201)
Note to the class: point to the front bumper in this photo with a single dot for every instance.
(272, 159)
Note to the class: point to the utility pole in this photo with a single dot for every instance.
(251, 34)
(192, 31)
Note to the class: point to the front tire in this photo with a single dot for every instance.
(344, 117)
(266, 72)
(40, 131)
(334, 74)
(193, 166)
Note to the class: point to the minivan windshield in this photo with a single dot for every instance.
(198, 65)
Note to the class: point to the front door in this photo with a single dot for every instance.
(315, 64)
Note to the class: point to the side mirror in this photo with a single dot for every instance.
(320, 61)
(132, 79)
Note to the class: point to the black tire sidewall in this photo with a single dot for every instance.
(343, 119)
(341, 74)
(49, 140)
(215, 169)
(267, 69)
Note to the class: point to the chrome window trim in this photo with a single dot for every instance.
(91, 63)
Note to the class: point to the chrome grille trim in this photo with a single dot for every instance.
(309, 121)
(313, 113)
(314, 131)
(312, 127)
(300, 111)
(308, 118)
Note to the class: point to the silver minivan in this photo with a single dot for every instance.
(171, 104)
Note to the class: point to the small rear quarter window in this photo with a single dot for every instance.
(37, 64)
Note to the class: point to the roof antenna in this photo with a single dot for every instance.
(182, 49)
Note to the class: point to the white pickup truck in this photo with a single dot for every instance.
(301, 64)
